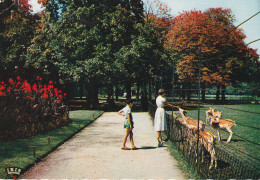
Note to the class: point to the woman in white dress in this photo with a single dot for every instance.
(160, 123)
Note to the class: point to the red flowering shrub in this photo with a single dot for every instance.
(27, 110)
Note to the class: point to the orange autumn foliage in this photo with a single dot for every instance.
(211, 36)
(158, 13)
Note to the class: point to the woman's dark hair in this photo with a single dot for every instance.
(161, 91)
(128, 101)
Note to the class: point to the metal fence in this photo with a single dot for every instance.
(228, 164)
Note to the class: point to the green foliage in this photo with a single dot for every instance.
(19, 30)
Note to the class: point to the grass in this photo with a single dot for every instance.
(245, 142)
(183, 163)
(20, 153)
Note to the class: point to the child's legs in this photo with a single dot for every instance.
(127, 131)
(132, 138)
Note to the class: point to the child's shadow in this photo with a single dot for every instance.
(147, 147)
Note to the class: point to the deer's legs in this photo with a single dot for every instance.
(218, 135)
(215, 162)
(211, 162)
(202, 155)
(230, 135)
(212, 157)
(207, 118)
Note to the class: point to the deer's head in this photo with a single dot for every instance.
(182, 111)
(217, 115)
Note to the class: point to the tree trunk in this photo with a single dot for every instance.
(156, 89)
(144, 99)
(217, 92)
(69, 89)
(81, 89)
(117, 92)
(183, 92)
(110, 92)
(92, 95)
(150, 90)
(203, 92)
(138, 91)
(189, 92)
(223, 93)
(128, 90)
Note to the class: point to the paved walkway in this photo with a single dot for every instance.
(95, 153)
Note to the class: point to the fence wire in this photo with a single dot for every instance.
(229, 165)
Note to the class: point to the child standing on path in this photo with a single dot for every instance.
(128, 124)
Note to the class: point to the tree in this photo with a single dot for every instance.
(81, 44)
(212, 37)
(158, 19)
(18, 29)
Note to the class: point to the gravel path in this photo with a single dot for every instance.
(95, 153)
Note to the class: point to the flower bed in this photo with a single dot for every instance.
(27, 110)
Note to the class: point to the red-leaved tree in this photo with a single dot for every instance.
(212, 37)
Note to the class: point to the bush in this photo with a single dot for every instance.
(27, 110)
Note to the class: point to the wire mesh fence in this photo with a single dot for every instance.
(228, 164)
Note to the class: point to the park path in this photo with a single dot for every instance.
(95, 153)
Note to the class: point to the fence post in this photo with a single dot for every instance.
(49, 142)
(198, 159)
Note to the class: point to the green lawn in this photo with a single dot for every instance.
(245, 142)
(183, 162)
(20, 153)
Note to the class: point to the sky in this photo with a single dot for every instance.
(242, 9)
(36, 7)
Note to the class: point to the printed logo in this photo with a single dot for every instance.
(14, 172)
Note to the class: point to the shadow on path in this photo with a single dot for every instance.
(146, 147)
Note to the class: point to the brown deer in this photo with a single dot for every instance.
(212, 112)
(180, 120)
(189, 122)
(225, 124)
(207, 140)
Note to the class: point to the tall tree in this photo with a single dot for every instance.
(211, 37)
(158, 20)
(80, 45)
(18, 29)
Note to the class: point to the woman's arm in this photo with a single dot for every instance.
(167, 104)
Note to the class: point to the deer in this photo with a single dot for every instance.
(213, 112)
(189, 122)
(225, 124)
(207, 139)
(180, 120)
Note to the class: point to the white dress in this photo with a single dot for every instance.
(160, 115)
